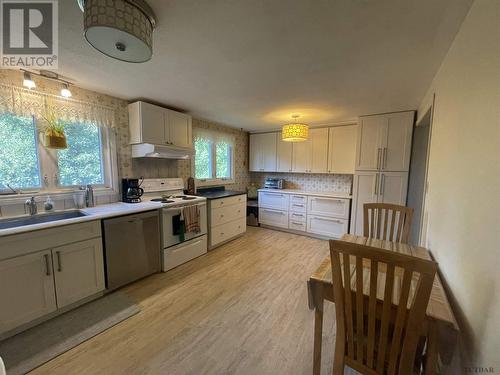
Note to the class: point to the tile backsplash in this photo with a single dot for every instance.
(339, 183)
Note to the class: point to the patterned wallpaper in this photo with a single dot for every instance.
(339, 183)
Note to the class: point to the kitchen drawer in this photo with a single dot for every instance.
(298, 216)
(275, 218)
(298, 207)
(229, 201)
(297, 225)
(331, 207)
(326, 226)
(224, 232)
(226, 214)
(295, 198)
(29, 242)
(179, 254)
(275, 200)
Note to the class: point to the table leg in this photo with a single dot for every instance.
(318, 336)
(431, 355)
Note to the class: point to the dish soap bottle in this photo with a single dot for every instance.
(49, 204)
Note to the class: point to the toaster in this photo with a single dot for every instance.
(274, 183)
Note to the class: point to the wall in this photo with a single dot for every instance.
(340, 183)
(463, 201)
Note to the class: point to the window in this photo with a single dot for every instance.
(81, 163)
(19, 166)
(26, 164)
(213, 161)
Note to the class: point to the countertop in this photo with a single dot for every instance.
(328, 194)
(92, 213)
(220, 194)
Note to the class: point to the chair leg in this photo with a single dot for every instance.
(318, 337)
(431, 355)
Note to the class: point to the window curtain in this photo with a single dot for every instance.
(213, 136)
(24, 102)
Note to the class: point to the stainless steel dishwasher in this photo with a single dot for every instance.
(132, 247)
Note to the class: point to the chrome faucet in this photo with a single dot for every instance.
(89, 196)
(30, 206)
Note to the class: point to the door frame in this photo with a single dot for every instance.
(421, 234)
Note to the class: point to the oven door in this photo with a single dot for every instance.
(170, 225)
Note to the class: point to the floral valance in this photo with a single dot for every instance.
(213, 136)
(24, 102)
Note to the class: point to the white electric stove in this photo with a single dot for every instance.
(169, 191)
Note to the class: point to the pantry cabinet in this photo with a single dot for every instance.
(384, 142)
(149, 123)
(263, 152)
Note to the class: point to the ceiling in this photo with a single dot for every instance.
(251, 64)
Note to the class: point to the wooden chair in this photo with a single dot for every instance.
(389, 222)
(381, 299)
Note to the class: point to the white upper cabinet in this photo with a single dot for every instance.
(384, 142)
(301, 156)
(283, 155)
(319, 150)
(262, 152)
(150, 123)
(342, 149)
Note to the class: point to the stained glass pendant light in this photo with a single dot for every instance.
(122, 29)
(295, 132)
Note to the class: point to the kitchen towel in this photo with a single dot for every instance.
(191, 219)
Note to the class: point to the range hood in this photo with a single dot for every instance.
(149, 150)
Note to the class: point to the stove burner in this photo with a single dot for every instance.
(162, 200)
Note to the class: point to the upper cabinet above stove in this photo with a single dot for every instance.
(150, 123)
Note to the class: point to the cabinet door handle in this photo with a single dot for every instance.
(379, 151)
(47, 264)
(384, 157)
(382, 184)
(375, 188)
(59, 264)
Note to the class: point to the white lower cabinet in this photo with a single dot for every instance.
(35, 282)
(327, 226)
(275, 218)
(274, 200)
(26, 289)
(78, 271)
(336, 207)
(227, 219)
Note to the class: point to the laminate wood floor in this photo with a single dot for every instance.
(241, 309)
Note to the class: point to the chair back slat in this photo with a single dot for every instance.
(381, 297)
(387, 221)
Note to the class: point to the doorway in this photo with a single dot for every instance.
(418, 173)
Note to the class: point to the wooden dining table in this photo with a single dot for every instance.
(441, 329)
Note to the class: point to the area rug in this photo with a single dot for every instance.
(32, 348)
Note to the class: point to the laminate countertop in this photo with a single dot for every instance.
(92, 213)
(327, 194)
(220, 194)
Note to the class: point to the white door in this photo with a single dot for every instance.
(268, 146)
(255, 153)
(179, 128)
(319, 150)
(396, 147)
(342, 149)
(393, 187)
(365, 187)
(78, 270)
(283, 155)
(26, 289)
(153, 124)
(369, 149)
(301, 156)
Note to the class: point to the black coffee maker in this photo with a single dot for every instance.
(131, 190)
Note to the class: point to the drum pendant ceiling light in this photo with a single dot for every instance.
(122, 29)
(295, 132)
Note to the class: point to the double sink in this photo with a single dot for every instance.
(39, 218)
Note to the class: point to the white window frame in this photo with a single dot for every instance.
(49, 171)
(214, 180)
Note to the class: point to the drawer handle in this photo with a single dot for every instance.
(333, 220)
(221, 233)
(221, 215)
(274, 194)
(298, 205)
(274, 212)
(294, 222)
(299, 215)
(298, 196)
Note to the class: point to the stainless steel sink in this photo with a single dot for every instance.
(40, 218)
